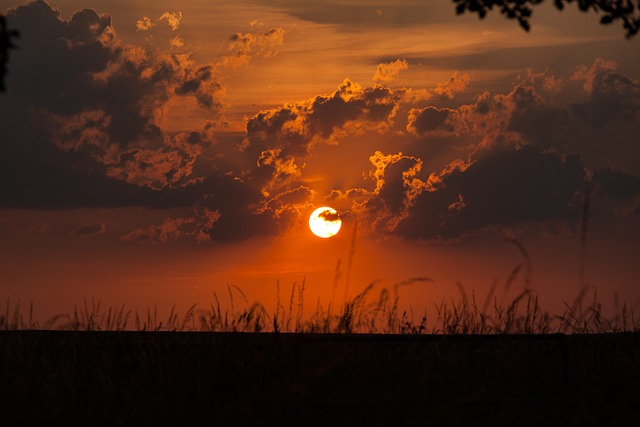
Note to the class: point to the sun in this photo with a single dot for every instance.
(325, 222)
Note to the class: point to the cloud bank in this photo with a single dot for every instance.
(85, 131)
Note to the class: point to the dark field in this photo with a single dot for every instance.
(204, 378)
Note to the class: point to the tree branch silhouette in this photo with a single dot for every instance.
(625, 11)
(6, 44)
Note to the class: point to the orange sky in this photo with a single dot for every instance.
(155, 152)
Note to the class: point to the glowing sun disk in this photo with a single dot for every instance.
(325, 222)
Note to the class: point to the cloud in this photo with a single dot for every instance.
(456, 84)
(173, 19)
(599, 121)
(144, 24)
(613, 96)
(89, 229)
(171, 165)
(327, 215)
(162, 30)
(245, 47)
(429, 120)
(39, 228)
(517, 173)
(498, 187)
(532, 149)
(196, 228)
(85, 114)
(511, 118)
(484, 122)
(597, 71)
(280, 139)
(88, 134)
(616, 184)
(288, 205)
(397, 185)
(176, 41)
(295, 128)
(170, 229)
(241, 215)
(386, 72)
(278, 171)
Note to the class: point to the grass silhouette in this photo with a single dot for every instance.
(363, 313)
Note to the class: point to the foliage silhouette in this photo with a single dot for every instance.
(625, 11)
(6, 44)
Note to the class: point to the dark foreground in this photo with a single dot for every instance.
(163, 378)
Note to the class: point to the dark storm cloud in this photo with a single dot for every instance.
(54, 65)
(556, 132)
(429, 120)
(294, 128)
(397, 184)
(82, 132)
(224, 209)
(600, 123)
(613, 96)
(81, 117)
(500, 187)
(199, 83)
(533, 151)
(243, 211)
(616, 184)
(594, 111)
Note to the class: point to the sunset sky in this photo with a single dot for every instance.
(153, 152)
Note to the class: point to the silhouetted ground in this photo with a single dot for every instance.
(203, 378)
